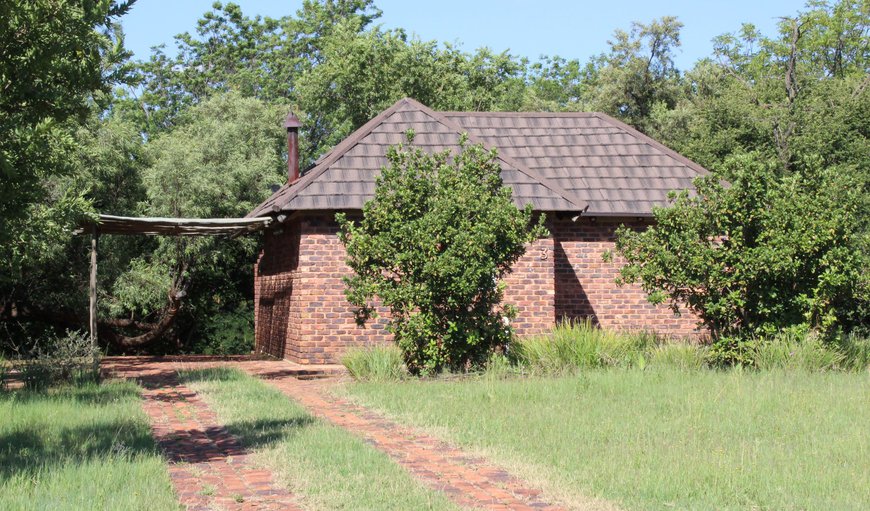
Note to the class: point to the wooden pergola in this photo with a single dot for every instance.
(158, 226)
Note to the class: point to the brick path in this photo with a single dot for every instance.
(208, 467)
(468, 481)
(210, 470)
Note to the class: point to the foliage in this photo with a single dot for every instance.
(219, 160)
(761, 253)
(638, 74)
(228, 332)
(679, 356)
(433, 246)
(375, 363)
(581, 345)
(855, 349)
(4, 373)
(55, 57)
(362, 74)
(70, 358)
(800, 91)
(499, 366)
(733, 351)
(790, 351)
(256, 57)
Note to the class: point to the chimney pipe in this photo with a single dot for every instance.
(292, 124)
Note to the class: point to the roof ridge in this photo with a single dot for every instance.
(654, 143)
(543, 181)
(530, 113)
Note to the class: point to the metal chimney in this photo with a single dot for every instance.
(292, 124)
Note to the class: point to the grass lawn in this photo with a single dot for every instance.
(660, 439)
(327, 467)
(80, 448)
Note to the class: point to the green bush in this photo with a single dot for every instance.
(375, 363)
(790, 350)
(433, 247)
(227, 332)
(578, 345)
(70, 358)
(770, 250)
(681, 356)
(733, 351)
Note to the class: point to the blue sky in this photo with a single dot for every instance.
(572, 29)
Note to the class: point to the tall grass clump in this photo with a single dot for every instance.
(856, 352)
(679, 356)
(580, 345)
(789, 350)
(4, 371)
(375, 363)
(498, 367)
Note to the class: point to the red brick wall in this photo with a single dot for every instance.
(530, 288)
(585, 286)
(276, 274)
(309, 260)
(301, 313)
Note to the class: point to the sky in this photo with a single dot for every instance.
(571, 29)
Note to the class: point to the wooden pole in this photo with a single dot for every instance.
(92, 323)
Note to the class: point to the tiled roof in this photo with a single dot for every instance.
(555, 161)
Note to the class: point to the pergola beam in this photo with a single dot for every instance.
(157, 226)
(160, 226)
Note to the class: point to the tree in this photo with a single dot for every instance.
(762, 253)
(218, 161)
(361, 74)
(803, 91)
(432, 246)
(258, 57)
(638, 73)
(56, 56)
(49, 289)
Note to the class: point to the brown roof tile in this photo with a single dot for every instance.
(554, 161)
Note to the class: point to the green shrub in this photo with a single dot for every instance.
(681, 356)
(733, 351)
(227, 332)
(578, 345)
(36, 374)
(69, 358)
(375, 363)
(433, 246)
(789, 350)
(796, 249)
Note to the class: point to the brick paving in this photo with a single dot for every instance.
(210, 470)
(467, 480)
(208, 467)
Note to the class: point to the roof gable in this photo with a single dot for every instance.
(554, 161)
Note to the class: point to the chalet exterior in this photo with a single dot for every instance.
(588, 172)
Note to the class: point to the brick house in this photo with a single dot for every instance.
(588, 172)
